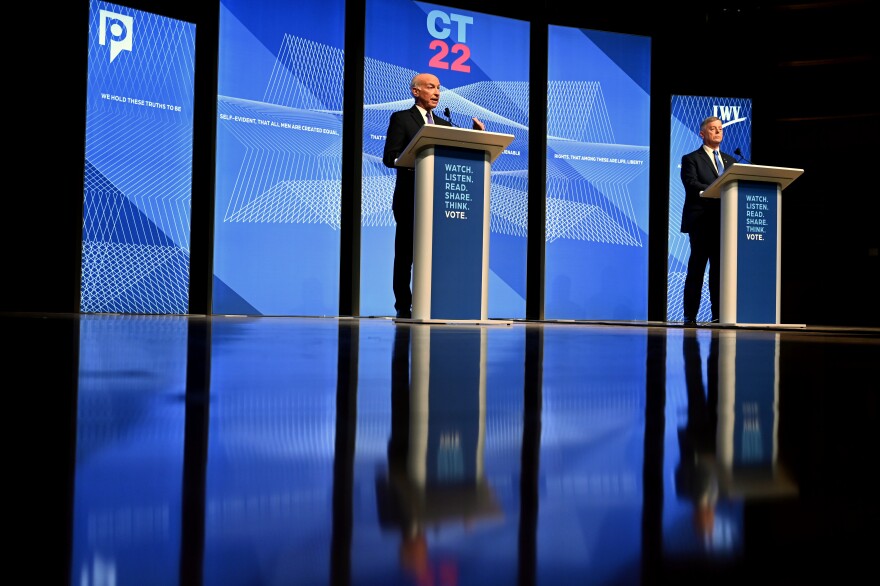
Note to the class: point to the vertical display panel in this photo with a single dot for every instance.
(687, 114)
(598, 148)
(138, 166)
(279, 158)
(482, 62)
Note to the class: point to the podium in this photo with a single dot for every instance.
(451, 223)
(751, 243)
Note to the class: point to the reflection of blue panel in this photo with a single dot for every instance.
(136, 225)
(598, 129)
(129, 450)
(269, 471)
(454, 407)
(755, 403)
(279, 145)
(592, 455)
(495, 90)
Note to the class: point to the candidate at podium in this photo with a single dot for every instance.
(402, 127)
(701, 218)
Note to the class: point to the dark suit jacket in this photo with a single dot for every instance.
(697, 172)
(402, 127)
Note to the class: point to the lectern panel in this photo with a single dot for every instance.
(757, 241)
(457, 254)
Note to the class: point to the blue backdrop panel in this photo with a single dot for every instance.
(138, 162)
(482, 63)
(598, 147)
(687, 113)
(279, 145)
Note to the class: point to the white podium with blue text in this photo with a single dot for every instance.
(451, 234)
(751, 242)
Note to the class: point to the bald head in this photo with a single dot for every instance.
(425, 89)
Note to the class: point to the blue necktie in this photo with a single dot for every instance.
(430, 117)
(718, 163)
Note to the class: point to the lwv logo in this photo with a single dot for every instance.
(728, 114)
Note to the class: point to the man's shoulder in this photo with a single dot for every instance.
(403, 112)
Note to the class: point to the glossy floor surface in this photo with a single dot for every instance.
(307, 451)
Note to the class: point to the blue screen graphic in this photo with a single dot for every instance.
(687, 114)
(482, 63)
(279, 146)
(598, 148)
(138, 162)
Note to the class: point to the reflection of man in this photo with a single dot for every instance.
(405, 512)
(402, 127)
(697, 474)
(414, 554)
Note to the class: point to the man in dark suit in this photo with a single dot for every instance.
(402, 127)
(701, 218)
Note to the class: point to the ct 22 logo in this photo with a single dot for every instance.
(440, 26)
(118, 29)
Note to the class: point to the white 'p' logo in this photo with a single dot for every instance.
(118, 28)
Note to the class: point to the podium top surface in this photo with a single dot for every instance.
(434, 134)
(783, 176)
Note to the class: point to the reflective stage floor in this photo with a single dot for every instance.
(309, 451)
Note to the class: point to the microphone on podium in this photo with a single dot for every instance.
(448, 116)
(739, 154)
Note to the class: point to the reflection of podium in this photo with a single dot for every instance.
(748, 418)
(436, 475)
(751, 243)
(451, 234)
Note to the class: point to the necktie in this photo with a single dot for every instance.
(718, 163)
(430, 117)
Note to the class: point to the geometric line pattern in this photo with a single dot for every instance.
(675, 297)
(595, 186)
(138, 164)
(307, 75)
(290, 171)
(583, 221)
(509, 206)
(134, 278)
(300, 202)
(591, 124)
